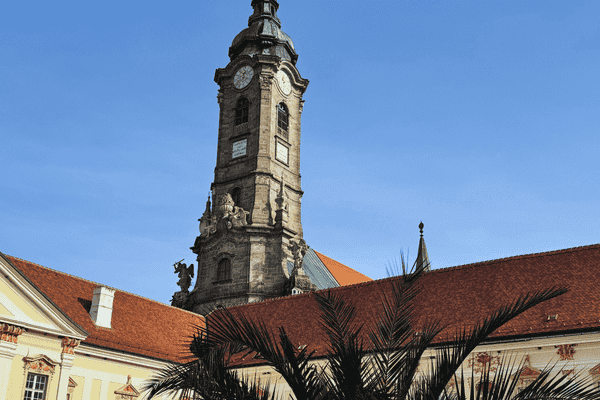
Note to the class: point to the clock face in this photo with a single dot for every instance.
(243, 77)
(284, 82)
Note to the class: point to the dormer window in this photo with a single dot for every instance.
(241, 111)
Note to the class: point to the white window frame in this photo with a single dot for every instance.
(31, 392)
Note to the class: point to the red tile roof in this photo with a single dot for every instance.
(139, 325)
(343, 275)
(461, 296)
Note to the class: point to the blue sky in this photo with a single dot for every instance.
(480, 118)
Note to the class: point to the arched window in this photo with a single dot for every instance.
(224, 270)
(241, 111)
(283, 117)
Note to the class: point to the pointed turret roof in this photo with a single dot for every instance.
(422, 256)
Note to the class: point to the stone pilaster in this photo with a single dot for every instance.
(66, 363)
(9, 335)
(8, 350)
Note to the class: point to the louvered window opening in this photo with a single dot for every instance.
(282, 117)
(241, 111)
(224, 270)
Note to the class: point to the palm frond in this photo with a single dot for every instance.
(239, 334)
(396, 348)
(450, 357)
(345, 355)
(560, 386)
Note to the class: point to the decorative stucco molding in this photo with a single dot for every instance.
(483, 361)
(565, 351)
(127, 391)
(69, 344)
(10, 333)
(40, 364)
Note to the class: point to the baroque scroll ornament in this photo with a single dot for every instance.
(227, 211)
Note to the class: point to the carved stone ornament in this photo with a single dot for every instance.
(10, 333)
(179, 298)
(298, 248)
(185, 275)
(226, 205)
(227, 216)
(265, 82)
(238, 217)
(40, 364)
(127, 391)
(208, 222)
(280, 199)
(69, 344)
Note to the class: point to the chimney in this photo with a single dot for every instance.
(102, 306)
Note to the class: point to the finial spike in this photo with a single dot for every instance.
(422, 256)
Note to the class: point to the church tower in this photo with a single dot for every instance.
(251, 231)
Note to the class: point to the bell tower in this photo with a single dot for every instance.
(252, 222)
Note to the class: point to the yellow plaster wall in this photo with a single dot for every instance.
(33, 345)
(4, 311)
(18, 376)
(111, 389)
(17, 379)
(112, 367)
(38, 343)
(78, 391)
(24, 305)
(96, 386)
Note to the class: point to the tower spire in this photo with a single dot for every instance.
(422, 256)
(263, 34)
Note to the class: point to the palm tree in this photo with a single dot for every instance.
(363, 362)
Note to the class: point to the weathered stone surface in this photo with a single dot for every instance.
(258, 247)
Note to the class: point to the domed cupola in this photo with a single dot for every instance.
(264, 34)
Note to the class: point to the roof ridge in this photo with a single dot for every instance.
(101, 284)
(517, 257)
(435, 271)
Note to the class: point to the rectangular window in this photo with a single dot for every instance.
(35, 387)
